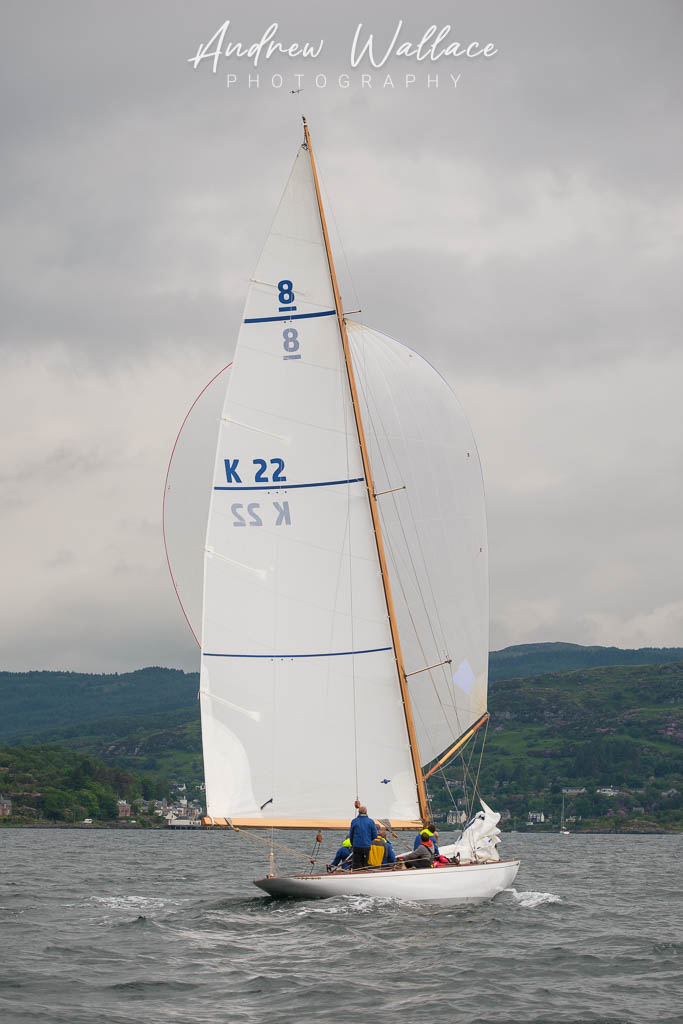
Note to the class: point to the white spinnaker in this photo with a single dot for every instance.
(301, 707)
(434, 532)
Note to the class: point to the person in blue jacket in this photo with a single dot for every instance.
(362, 831)
(428, 832)
(342, 856)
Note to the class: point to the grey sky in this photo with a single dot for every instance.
(522, 231)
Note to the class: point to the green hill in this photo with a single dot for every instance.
(49, 783)
(166, 743)
(37, 703)
(615, 725)
(55, 706)
(533, 659)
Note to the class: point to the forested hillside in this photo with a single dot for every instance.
(618, 726)
(46, 783)
(533, 659)
(51, 706)
(35, 703)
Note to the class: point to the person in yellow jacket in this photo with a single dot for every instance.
(381, 850)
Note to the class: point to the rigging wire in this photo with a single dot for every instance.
(367, 394)
(372, 416)
(346, 400)
(466, 775)
(347, 532)
(427, 576)
(272, 844)
(449, 682)
(316, 849)
(475, 791)
(330, 210)
(362, 364)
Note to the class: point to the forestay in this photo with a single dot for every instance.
(434, 531)
(300, 701)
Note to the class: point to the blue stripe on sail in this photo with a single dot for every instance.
(289, 487)
(285, 657)
(291, 316)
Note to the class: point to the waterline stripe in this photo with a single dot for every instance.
(286, 657)
(292, 316)
(290, 487)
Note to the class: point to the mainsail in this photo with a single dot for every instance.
(301, 706)
(302, 703)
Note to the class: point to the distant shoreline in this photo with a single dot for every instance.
(47, 826)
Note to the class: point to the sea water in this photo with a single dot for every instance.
(157, 926)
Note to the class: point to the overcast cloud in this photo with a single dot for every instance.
(522, 231)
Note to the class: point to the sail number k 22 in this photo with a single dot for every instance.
(266, 471)
(261, 476)
(290, 335)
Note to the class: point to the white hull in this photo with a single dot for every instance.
(468, 883)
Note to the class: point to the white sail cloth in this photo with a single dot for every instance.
(300, 700)
(479, 840)
(434, 528)
(438, 574)
(186, 497)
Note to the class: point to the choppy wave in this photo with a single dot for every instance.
(128, 902)
(140, 986)
(168, 929)
(347, 906)
(532, 899)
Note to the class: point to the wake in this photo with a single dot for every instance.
(531, 899)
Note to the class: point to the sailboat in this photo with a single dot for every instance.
(564, 831)
(344, 636)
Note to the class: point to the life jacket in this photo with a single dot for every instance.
(429, 843)
(377, 848)
(420, 837)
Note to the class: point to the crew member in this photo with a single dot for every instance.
(431, 833)
(421, 857)
(362, 831)
(342, 855)
(381, 850)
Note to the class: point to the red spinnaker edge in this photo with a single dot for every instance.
(163, 505)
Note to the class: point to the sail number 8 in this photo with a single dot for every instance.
(285, 293)
(290, 335)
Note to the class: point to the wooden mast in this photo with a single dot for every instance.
(403, 682)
